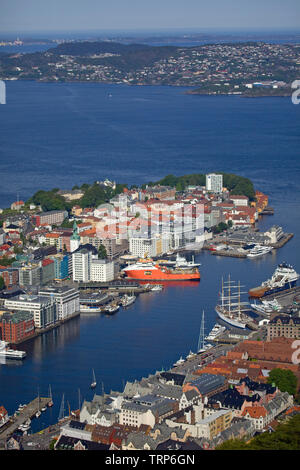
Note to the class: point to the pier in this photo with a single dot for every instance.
(230, 253)
(283, 240)
(28, 412)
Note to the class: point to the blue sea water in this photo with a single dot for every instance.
(58, 135)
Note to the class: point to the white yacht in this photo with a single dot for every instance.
(180, 361)
(8, 353)
(215, 332)
(259, 250)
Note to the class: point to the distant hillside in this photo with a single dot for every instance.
(87, 48)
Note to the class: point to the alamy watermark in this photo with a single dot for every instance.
(296, 354)
(2, 92)
(296, 94)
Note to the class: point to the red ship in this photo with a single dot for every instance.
(147, 270)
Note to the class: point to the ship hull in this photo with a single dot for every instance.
(230, 321)
(259, 292)
(157, 275)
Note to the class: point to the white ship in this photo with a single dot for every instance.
(215, 332)
(230, 309)
(284, 278)
(259, 250)
(157, 288)
(8, 353)
(128, 300)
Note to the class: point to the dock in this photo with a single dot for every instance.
(28, 412)
(283, 240)
(267, 211)
(230, 253)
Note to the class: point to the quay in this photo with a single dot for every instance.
(230, 253)
(286, 297)
(283, 240)
(115, 286)
(28, 412)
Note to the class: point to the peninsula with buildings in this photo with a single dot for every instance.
(246, 68)
(67, 252)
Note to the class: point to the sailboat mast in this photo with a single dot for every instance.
(222, 292)
(229, 293)
(201, 335)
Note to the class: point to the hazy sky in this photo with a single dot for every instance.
(68, 15)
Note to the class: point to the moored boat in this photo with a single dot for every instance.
(94, 382)
(146, 269)
(284, 278)
(230, 308)
(128, 300)
(259, 250)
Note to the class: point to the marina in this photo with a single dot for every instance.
(21, 420)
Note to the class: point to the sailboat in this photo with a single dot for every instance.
(38, 413)
(94, 383)
(231, 310)
(61, 415)
(202, 346)
(50, 395)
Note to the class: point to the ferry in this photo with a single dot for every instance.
(146, 269)
(8, 353)
(284, 278)
(259, 250)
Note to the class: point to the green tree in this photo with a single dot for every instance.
(284, 379)
(102, 253)
(285, 437)
(2, 283)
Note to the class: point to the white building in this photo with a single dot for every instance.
(148, 246)
(214, 183)
(240, 200)
(42, 308)
(275, 233)
(66, 299)
(102, 270)
(81, 265)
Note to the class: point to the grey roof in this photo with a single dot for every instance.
(206, 383)
(139, 440)
(191, 394)
(136, 388)
(280, 400)
(168, 391)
